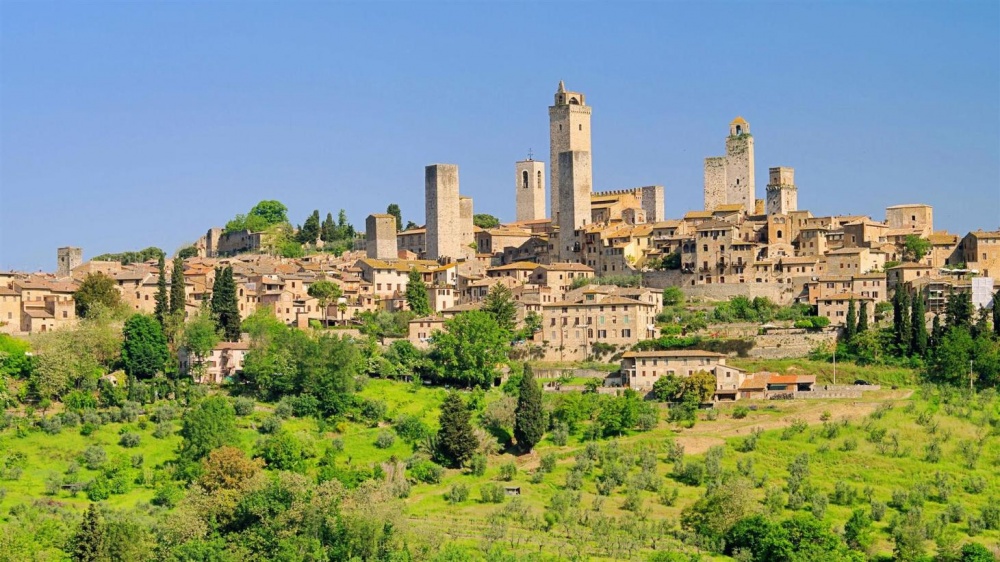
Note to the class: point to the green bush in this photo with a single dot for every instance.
(458, 493)
(94, 457)
(478, 465)
(426, 471)
(243, 406)
(740, 412)
(491, 492)
(129, 440)
(548, 462)
(385, 439)
(507, 471)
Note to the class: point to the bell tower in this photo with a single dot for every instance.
(740, 187)
(569, 131)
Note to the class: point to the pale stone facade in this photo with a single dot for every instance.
(917, 218)
(444, 226)
(575, 189)
(380, 235)
(641, 369)
(782, 195)
(740, 186)
(715, 182)
(529, 185)
(569, 131)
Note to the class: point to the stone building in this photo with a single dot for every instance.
(917, 219)
(444, 226)
(68, 258)
(529, 185)
(782, 195)
(641, 369)
(575, 189)
(729, 179)
(380, 237)
(569, 131)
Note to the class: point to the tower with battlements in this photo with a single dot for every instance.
(782, 195)
(529, 185)
(569, 131)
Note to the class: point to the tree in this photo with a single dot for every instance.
(225, 308)
(144, 351)
(851, 325)
(162, 303)
(89, 543)
(470, 349)
(915, 248)
(862, 319)
(667, 388)
(187, 252)
(529, 417)
(720, 508)
(96, 288)
(325, 292)
(700, 384)
(902, 329)
(950, 362)
(918, 320)
(310, 230)
(393, 209)
(228, 468)
(996, 314)
(958, 310)
(178, 296)
(200, 335)
(485, 221)
(416, 294)
(499, 303)
(271, 211)
(858, 531)
(328, 231)
(672, 296)
(207, 426)
(456, 440)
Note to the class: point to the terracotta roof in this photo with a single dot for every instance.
(791, 379)
(37, 312)
(715, 225)
(566, 266)
(739, 121)
(238, 345)
(520, 265)
(671, 353)
(732, 207)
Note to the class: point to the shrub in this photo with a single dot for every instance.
(491, 492)
(633, 500)
(990, 515)
(740, 412)
(410, 428)
(94, 458)
(372, 410)
(70, 419)
(167, 495)
(165, 412)
(270, 424)
(385, 439)
(98, 489)
(798, 426)
(668, 495)
(458, 493)
(974, 484)
(548, 462)
(337, 445)
(51, 425)
(304, 406)
(574, 480)
(507, 471)
(537, 477)
(87, 429)
(163, 430)
(129, 440)
(560, 434)
(243, 406)
(478, 465)
(284, 409)
(427, 471)
(849, 444)
(137, 460)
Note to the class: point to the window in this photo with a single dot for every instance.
(626, 333)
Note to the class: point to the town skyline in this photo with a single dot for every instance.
(855, 151)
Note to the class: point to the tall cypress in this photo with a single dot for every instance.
(89, 540)
(862, 319)
(529, 417)
(851, 325)
(225, 308)
(178, 296)
(905, 327)
(416, 294)
(937, 331)
(162, 305)
(456, 440)
(918, 344)
(897, 316)
(996, 314)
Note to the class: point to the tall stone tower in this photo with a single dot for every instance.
(68, 258)
(740, 187)
(529, 183)
(782, 195)
(569, 130)
(380, 237)
(652, 203)
(444, 228)
(467, 232)
(574, 200)
(715, 182)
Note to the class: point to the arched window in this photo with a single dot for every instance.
(739, 130)
(779, 234)
(524, 179)
(539, 184)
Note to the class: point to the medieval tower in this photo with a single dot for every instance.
(782, 195)
(529, 183)
(729, 179)
(68, 258)
(575, 189)
(740, 188)
(444, 227)
(569, 131)
(380, 237)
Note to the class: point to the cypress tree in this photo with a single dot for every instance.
(310, 230)
(162, 307)
(178, 296)
(416, 294)
(897, 316)
(996, 314)
(225, 308)
(529, 417)
(862, 319)
(937, 331)
(918, 344)
(905, 327)
(328, 232)
(456, 440)
(89, 539)
(393, 209)
(851, 325)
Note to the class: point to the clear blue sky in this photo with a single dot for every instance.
(126, 125)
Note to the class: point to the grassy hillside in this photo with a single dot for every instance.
(612, 499)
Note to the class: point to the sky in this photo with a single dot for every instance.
(132, 124)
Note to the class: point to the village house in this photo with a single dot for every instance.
(641, 369)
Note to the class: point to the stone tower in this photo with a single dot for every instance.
(529, 183)
(68, 258)
(444, 228)
(574, 200)
(715, 182)
(652, 203)
(569, 131)
(740, 187)
(467, 232)
(380, 237)
(782, 195)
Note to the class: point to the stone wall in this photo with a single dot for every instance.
(779, 293)
(715, 182)
(787, 344)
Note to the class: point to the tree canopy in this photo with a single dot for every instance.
(456, 440)
(96, 288)
(416, 294)
(471, 349)
(529, 416)
(483, 220)
(225, 307)
(144, 349)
